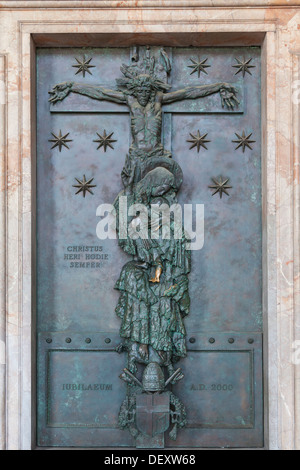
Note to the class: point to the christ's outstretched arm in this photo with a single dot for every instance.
(227, 91)
(97, 92)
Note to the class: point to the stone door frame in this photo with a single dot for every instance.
(280, 173)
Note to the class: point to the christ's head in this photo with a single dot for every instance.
(143, 89)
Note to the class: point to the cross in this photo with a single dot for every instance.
(210, 105)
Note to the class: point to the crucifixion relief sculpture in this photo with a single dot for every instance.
(153, 285)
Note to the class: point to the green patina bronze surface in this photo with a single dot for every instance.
(154, 284)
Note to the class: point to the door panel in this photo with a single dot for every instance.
(79, 391)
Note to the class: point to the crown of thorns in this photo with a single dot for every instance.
(135, 77)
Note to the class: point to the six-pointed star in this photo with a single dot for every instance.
(104, 140)
(220, 186)
(244, 141)
(199, 66)
(243, 66)
(84, 186)
(60, 140)
(83, 66)
(198, 141)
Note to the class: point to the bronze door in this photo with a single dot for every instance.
(198, 115)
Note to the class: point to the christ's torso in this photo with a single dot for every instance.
(146, 123)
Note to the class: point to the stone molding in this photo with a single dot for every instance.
(3, 133)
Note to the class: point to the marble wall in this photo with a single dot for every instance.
(275, 24)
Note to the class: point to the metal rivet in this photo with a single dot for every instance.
(48, 340)
(212, 340)
(230, 340)
(88, 340)
(250, 340)
(192, 340)
(68, 340)
(107, 340)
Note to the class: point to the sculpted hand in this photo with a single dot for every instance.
(60, 91)
(178, 289)
(128, 175)
(171, 291)
(228, 96)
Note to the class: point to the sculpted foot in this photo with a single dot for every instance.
(162, 355)
(143, 350)
(120, 348)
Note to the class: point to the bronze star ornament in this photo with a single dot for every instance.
(220, 186)
(83, 66)
(244, 66)
(60, 140)
(198, 141)
(199, 66)
(84, 186)
(244, 141)
(105, 140)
